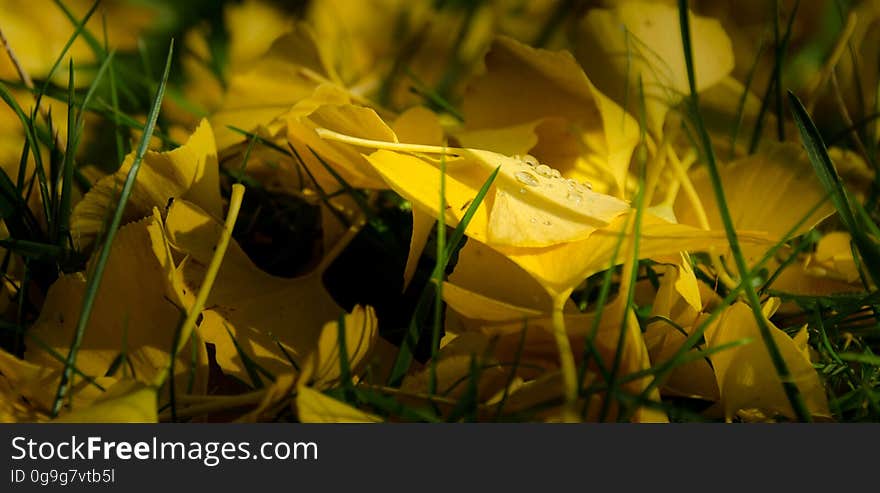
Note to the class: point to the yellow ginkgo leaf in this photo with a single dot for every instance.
(472, 306)
(366, 42)
(776, 175)
(262, 90)
(562, 267)
(834, 255)
(727, 105)
(528, 205)
(38, 33)
(558, 230)
(132, 324)
(251, 27)
(455, 366)
(418, 125)
(642, 40)
(540, 102)
(746, 376)
(190, 172)
(482, 273)
(360, 331)
(314, 407)
(538, 353)
(254, 317)
(125, 402)
(360, 36)
(828, 271)
(31, 387)
(276, 393)
(15, 409)
(329, 107)
(679, 302)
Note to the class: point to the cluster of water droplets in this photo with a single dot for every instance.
(526, 177)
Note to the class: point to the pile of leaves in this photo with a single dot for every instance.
(445, 210)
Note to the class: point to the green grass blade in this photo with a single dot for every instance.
(437, 278)
(781, 49)
(514, 368)
(32, 249)
(789, 387)
(14, 211)
(74, 136)
(344, 363)
(114, 99)
(741, 105)
(407, 348)
(642, 158)
(79, 28)
(863, 358)
(831, 181)
(93, 43)
(94, 281)
(28, 123)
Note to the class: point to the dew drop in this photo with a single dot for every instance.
(522, 191)
(575, 197)
(544, 170)
(555, 174)
(526, 178)
(588, 185)
(547, 222)
(533, 220)
(530, 160)
(572, 184)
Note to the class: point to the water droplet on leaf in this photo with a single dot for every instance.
(526, 178)
(544, 170)
(529, 160)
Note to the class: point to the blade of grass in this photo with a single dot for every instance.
(94, 281)
(79, 27)
(557, 18)
(14, 211)
(467, 403)
(863, 358)
(356, 195)
(778, 60)
(67, 165)
(32, 249)
(407, 348)
(344, 363)
(781, 49)
(831, 181)
(789, 387)
(437, 278)
(432, 97)
(633, 262)
(741, 105)
(322, 194)
(251, 367)
(33, 144)
(49, 350)
(517, 358)
(74, 136)
(114, 98)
